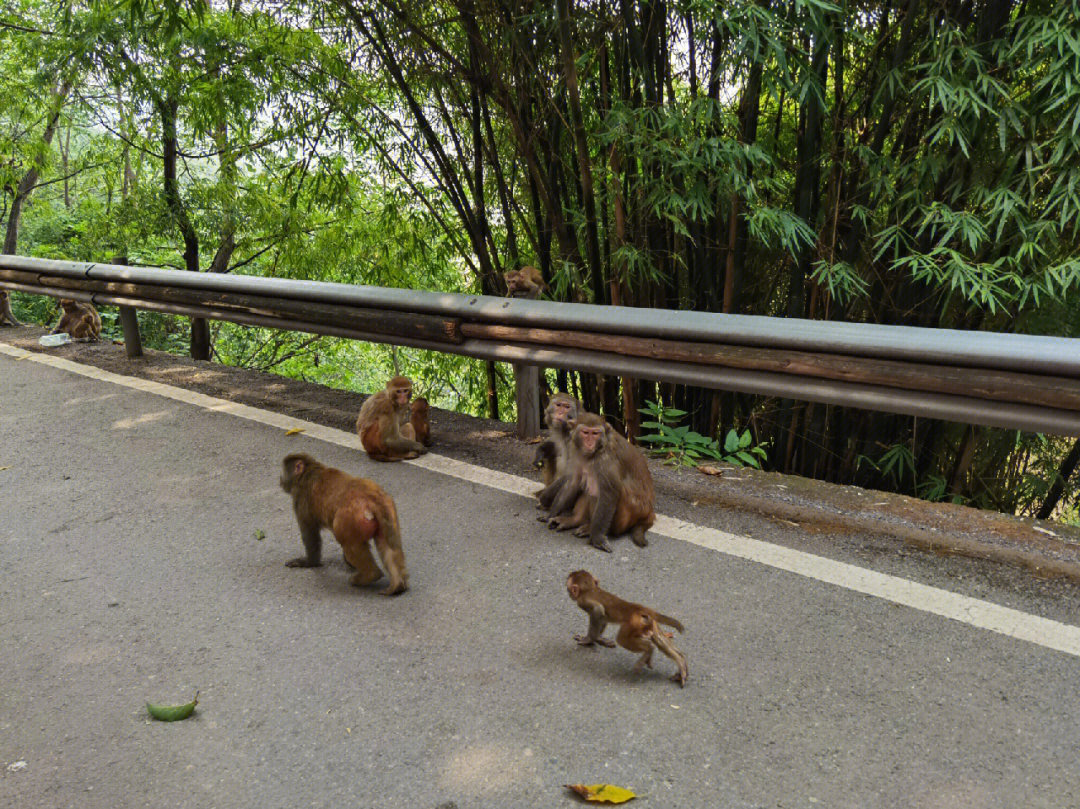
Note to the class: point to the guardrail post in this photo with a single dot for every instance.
(527, 399)
(132, 340)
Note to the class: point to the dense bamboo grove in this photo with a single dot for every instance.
(911, 163)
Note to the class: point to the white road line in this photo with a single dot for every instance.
(972, 611)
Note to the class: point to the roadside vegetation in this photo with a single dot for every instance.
(911, 164)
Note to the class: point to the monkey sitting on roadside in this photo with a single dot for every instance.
(7, 318)
(608, 486)
(639, 629)
(80, 320)
(524, 283)
(356, 510)
(419, 421)
(383, 424)
(551, 456)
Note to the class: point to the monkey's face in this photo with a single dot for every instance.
(562, 411)
(590, 440)
(68, 306)
(401, 396)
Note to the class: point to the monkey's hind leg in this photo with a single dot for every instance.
(668, 648)
(358, 554)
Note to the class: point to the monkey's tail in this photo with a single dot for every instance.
(665, 619)
(388, 522)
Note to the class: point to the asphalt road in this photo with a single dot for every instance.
(130, 571)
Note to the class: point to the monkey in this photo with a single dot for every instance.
(419, 421)
(80, 320)
(383, 424)
(551, 456)
(356, 510)
(6, 316)
(638, 625)
(614, 478)
(524, 283)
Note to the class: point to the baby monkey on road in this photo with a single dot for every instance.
(639, 628)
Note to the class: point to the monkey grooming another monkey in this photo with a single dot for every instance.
(612, 478)
(639, 629)
(524, 283)
(562, 409)
(356, 510)
(80, 320)
(419, 421)
(384, 423)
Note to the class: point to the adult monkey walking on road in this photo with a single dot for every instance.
(357, 510)
(383, 424)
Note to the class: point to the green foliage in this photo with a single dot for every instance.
(684, 447)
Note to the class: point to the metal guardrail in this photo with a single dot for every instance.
(1001, 380)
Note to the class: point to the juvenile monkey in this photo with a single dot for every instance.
(551, 456)
(419, 421)
(383, 424)
(80, 320)
(614, 478)
(356, 510)
(6, 316)
(638, 625)
(524, 283)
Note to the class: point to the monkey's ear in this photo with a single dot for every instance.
(298, 468)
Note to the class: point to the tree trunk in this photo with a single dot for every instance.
(1053, 497)
(167, 108)
(23, 191)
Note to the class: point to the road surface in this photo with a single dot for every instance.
(130, 571)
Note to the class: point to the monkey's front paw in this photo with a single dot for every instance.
(553, 523)
(601, 545)
(585, 640)
(582, 531)
(302, 561)
(679, 678)
(394, 590)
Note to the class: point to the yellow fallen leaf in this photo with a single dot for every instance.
(2, 468)
(710, 470)
(294, 431)
(260, 534)
(602, 793)
(23, 357)
(536, 440)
